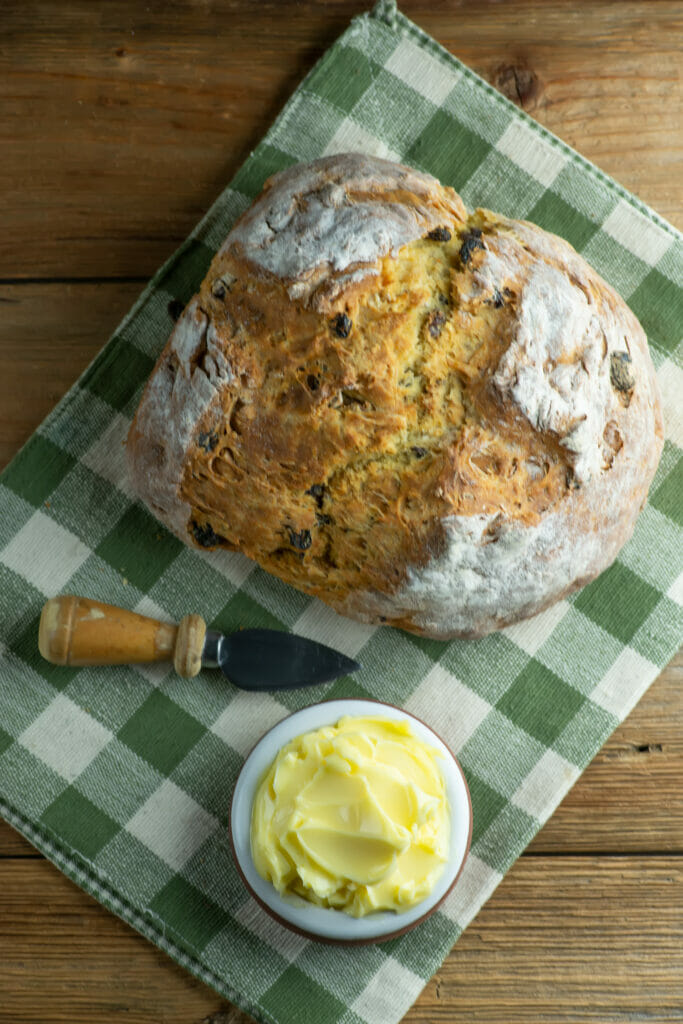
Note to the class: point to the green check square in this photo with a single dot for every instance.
(392, 665)
(161, 732)
(585, 734)
(117, 375)
(139, 547)
(487, 804)
(208, 773)
(618, 600)
(37, 469)
(243, 612)
(24, 643)
(343, 81)
(660, 633)
(27, 782)
(540, 702)
(668, 498)
(265, 160)
(276, 597)
(193, 917)
(432, 648)
(554, 214)
(86, 504)
(79, 823)
(658, 304)
(422, 949)
(506, 837)
(352, 973)
(184, 276)
(297, 999)
(500, 185)
(15, 513)
(19, 600)
(448, 149)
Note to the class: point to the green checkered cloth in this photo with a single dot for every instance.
(123, 776)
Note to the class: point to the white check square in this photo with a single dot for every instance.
(321, 623)
(107, 456)
(421, 71)
(247, 717)
(637, 233)
(155, 671)
(65, 737)
(45, 554)
(670, 380)
(624, 683)
(451, 708)
(233, 565)
(531, 634)
(172, 825)
(530, 151)
(471, 891)
(545, 785)
(389, 994)
(675, 591)
(351, 138)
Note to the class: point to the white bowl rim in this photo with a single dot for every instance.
(320, 923)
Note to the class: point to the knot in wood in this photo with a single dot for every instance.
(519, 83)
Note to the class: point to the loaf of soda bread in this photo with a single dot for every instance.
(432, 419)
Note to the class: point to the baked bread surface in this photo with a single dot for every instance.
(440, 421)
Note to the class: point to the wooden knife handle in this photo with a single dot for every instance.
(78, 631)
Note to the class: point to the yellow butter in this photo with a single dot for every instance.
(353, 816)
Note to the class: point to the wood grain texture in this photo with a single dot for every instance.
(124, 120)
(563, 939)
(120, 123)
(48, 335)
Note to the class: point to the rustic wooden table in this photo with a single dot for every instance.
(120, 122)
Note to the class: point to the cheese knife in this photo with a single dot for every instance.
(79, 631)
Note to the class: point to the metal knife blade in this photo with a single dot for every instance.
(270, 659)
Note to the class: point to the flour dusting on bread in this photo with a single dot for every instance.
(335, 214)
(439, 421)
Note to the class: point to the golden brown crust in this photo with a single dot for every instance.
(422, 438)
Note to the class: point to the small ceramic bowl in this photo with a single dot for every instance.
(320, 923)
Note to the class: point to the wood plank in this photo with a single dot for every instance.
(563, 939)
(123, 122)
(629, 799)
(568, 940)
(48, 335)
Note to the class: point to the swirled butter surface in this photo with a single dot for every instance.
(353, 816)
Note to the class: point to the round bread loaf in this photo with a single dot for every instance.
(435, 420)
